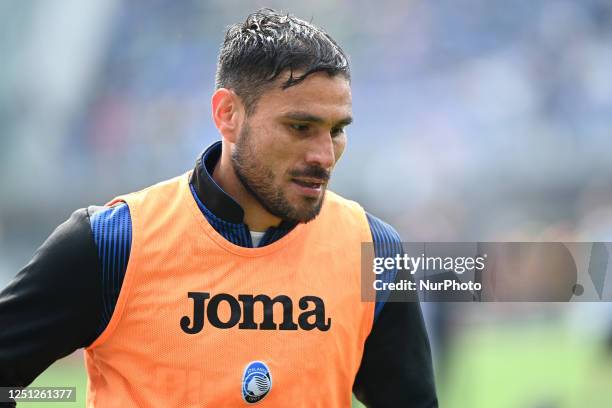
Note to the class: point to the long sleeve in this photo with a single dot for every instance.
(53, 305)
(396, 368)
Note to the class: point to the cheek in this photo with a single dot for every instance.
(266, 144)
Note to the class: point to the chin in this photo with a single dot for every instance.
(310, 213)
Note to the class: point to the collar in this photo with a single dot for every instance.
(209, 192)
(212, 196)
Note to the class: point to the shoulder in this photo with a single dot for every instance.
(70, 240)
(383, 234)
(109, 223)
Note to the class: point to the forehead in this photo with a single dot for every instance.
(319, 94)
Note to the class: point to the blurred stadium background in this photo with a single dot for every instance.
(475, 120)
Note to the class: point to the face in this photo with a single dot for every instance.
(288, 147)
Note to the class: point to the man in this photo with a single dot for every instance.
(239, 281)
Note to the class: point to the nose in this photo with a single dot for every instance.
(321, 151)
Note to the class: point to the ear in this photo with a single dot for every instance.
(227, 113)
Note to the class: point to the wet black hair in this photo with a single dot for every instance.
(268, 43)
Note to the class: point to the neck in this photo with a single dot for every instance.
(255, 215)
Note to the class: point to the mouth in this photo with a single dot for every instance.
(308, 186)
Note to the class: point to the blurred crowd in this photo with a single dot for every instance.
(474, 120)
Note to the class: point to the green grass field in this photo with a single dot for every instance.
(539, 365)
(67, 372)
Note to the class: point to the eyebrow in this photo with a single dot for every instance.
(307, 117)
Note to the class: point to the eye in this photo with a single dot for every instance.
(299, 127)
(337, 131)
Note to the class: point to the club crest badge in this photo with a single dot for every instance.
(256, 382)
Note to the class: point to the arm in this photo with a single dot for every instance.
(52, 306)
(396, 368)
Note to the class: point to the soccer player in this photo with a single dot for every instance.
(237, 282)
